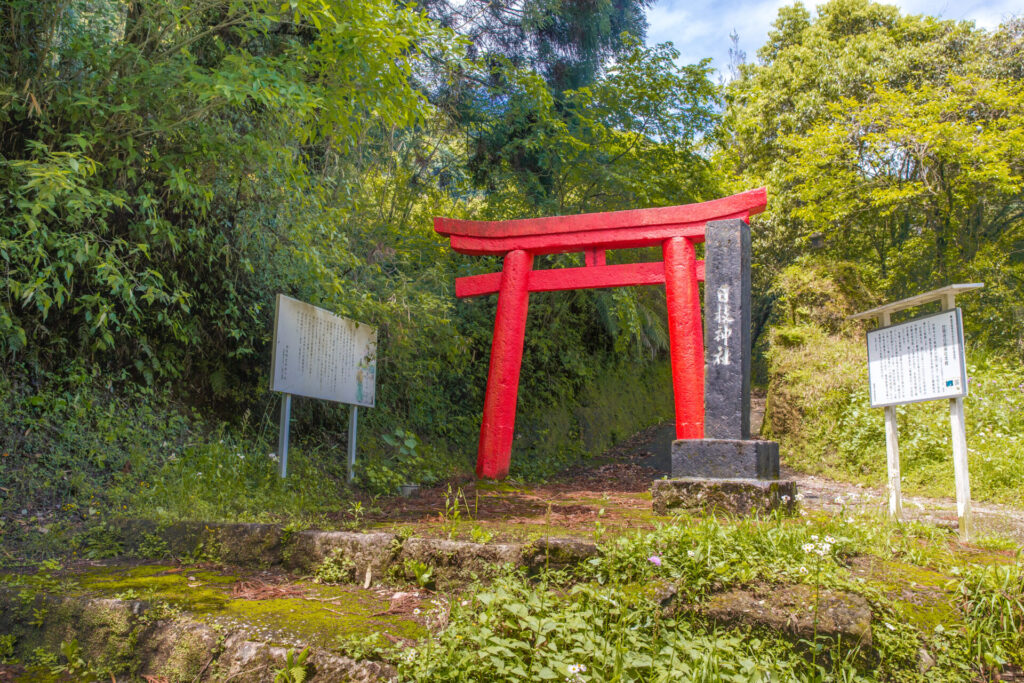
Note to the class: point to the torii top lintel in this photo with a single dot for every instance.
(612, 230)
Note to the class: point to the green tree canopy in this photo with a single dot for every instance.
(897, 141)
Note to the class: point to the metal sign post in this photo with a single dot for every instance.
(282, 435)
(353, 424)
(921, 360)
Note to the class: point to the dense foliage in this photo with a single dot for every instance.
(893, 142)
(167, 167)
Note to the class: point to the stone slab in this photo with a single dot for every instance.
(369, 552)
(727, 341)
(558, 553)
(725, 459)
(790, 610)
(738, 496)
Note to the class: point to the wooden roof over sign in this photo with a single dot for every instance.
(917, 300)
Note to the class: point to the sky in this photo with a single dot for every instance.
(701, 28)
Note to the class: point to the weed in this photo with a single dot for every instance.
(992, 602)
(67, 663)
(452, 515)
(153, 546)
(479, 534)
(599, 528)
(7, 643)
(421, 572)
(372, 646)
(294, 669)
(100, 541)
(335, 568)
(356, 512)
(517, 631)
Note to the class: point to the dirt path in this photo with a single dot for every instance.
(652, 446)
(828, 494)
(611, 493)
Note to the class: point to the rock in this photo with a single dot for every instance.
(925, 661)
(790, 610)
(121, 636)
(373, 551)
(739, 496)
(249, 544)
(725, 459)
(460, 558)
(557, 553)
(253, 662)
(665, 594)
(177, 649)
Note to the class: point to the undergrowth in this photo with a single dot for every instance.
(77, 449)
(609, 621)
(819, 411)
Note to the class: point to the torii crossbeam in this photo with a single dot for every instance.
(676, 229)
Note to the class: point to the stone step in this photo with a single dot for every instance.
(370, 555)
(188, 624)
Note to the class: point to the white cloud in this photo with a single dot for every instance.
(701, 28)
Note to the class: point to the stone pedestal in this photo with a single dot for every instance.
(725, 459)
(738, 496)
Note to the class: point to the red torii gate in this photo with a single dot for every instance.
(675, 228)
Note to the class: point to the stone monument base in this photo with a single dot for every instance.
(739, 496)
(725, 459)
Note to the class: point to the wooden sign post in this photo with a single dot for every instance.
(921, 360)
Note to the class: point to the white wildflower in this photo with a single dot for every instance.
(690, 553)
(803, 570)
(798, 497)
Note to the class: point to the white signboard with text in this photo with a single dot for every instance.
(321, 355)
(919, 360)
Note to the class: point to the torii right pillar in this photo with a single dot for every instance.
(726, 469)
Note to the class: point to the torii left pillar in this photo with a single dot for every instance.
(499, 423)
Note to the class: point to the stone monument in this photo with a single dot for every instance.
(725, 469)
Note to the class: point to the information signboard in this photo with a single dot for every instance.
(919, 360)
(321, 355)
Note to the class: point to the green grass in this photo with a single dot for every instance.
(818, 409)
(925, 591)
(76, 449)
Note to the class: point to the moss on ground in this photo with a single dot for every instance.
(318, 619)
(920, 596)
